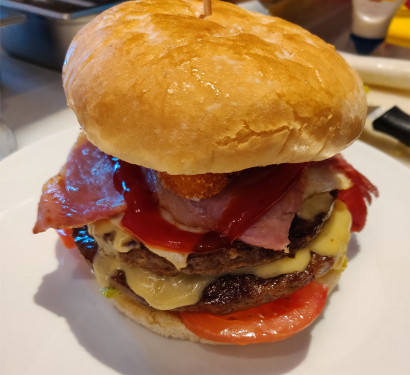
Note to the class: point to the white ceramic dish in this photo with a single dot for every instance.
(54, 321)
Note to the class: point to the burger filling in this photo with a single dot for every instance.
(248, 238)
(218, 283)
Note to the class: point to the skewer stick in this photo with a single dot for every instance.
(207, 8)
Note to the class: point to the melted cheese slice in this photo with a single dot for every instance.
(335, 234)
(279, 267)
(315, 204)
(123, 242)
(161, 292)
(166, 293)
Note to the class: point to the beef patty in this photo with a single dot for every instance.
(237, 255)
(228, 293)
(231, 293)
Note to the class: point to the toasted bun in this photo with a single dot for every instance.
(168, 324)
(154, 84)
(163, 323)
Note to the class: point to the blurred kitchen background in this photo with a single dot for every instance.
(35, 35)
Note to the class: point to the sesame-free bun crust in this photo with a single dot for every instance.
(163, 323)
(154, 84)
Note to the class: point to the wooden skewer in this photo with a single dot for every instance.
(207, 8)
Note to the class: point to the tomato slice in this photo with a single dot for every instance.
(270, 322)
(66, 237)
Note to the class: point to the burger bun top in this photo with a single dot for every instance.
(155, 84)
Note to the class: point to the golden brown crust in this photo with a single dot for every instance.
(163, 323)
(154, 84)
(194, 186)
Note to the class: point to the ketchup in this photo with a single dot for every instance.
(142, 217)
(258, 190)
(144, 220)
(255, 191)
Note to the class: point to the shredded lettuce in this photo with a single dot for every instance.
(109, 292)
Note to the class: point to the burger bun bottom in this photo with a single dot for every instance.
(168, 324)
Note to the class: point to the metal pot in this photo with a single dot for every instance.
(40, 31)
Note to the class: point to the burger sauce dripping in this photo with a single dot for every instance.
(143, 218)
(257, 191)
(253, 196)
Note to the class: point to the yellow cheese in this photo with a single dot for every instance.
(161, 292)
(165, 292)
(279, 267)
(169, 292)
(178, 259)
(121, 239)
(335, 234)
(315, 204)
(100, 227)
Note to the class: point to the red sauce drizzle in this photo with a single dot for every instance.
(258, 190)
(252, 197)
(142, 217)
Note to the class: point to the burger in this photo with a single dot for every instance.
(206, 189)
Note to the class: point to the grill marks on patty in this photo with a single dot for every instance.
(238, 255)
(231, 293)
(228, 293)
(220, 261)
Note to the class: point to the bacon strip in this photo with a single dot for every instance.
(82, 192)
(355, 198)
(257, 193)
(361, 182)
(270, 231)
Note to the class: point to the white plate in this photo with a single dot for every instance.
(54, 321)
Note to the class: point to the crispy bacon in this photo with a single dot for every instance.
(84, 192)
(81, 193)
(254, 202)
(249, 194)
